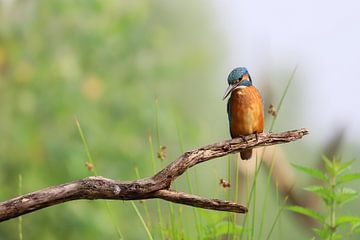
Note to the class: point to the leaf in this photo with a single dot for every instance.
(347, 178)
(330, 166)
(345, 195)
(311, 171)
(337, 236)
(223, 228)
(344, 166)
(324, 193)
(348, 219)
(355, 227)
(322, 233)
(307, 212)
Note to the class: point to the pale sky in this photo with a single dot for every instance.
(322, 37)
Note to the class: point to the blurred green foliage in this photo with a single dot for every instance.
(128, 70)
(104, 62)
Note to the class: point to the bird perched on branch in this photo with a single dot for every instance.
(244, 108)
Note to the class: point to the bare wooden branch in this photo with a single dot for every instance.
(156, 186)
(196, 201)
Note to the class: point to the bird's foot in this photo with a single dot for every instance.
(243, 138)
(257, 137)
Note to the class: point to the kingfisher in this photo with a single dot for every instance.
(244, 107)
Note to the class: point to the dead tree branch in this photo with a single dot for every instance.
(157, 186)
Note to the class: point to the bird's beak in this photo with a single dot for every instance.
(230, 89)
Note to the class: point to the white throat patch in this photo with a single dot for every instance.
(240, 87)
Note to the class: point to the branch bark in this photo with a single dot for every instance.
(156, 186)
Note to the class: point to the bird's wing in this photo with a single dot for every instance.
(229, 116)
(228, 110)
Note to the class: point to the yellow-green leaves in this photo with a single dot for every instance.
(333, 195)
(311, 171)
(308, 212)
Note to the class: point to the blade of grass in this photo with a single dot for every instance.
(87, 151)
(180, 220)
(283, 97)
(248, 186)
(254, 204)
(142, 220)
(157, 122)
(197, 216)
(146, 209)
(236, 188)
(90, 159)
(263, 211)
(157, 200)
(278, 200)
(20, 223)
(228, 193)
(172, 221)
(152, 153)
(157, 129)
(277, 218)
(113, 221)
(245, 222)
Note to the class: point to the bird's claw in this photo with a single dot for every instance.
(257, 137)
(243, 138)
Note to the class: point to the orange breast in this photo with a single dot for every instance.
(246, 113)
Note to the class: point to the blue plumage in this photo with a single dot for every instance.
(237, 74)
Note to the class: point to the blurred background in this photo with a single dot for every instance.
(139, 75)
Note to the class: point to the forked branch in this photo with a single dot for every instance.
(157, 186)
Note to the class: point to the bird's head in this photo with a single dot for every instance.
(239, 77)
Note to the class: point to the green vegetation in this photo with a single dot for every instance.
(120, 89)
(103, 63)
(334, 195)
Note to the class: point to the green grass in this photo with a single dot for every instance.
(144, 203)
(93, 170)
(267, 190)
(20, 223)
(277, 218)
(158, 207)
(229, 193)
(142, 220)
(188, 178)
(236, 193)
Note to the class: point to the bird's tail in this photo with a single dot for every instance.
(246, 154)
